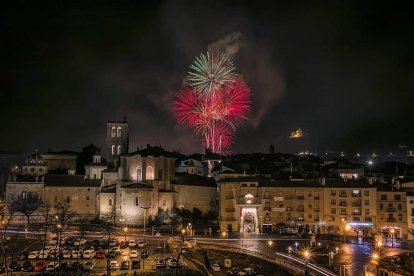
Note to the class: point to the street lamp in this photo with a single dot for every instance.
(379, 245)
(392, 231)
(125, 231)
(347, 228)
(270, 243)
(290, 249)
(306, 255)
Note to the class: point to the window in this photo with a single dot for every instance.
(244, 185)
(400, 217)
(280, 215)
(310, 216)
(397, 197)
(355, 218)
(381, 206)
(366, 193)
(89, 189)
(139, 173)
(164, 202)
(68, 199)
(366, 211)
(150, 173)
(113, 132)
(119, 150)
(399, 206)
(252, 185)
(333, 211)
(411, 201)
(333, 201)
(333, 193)
(160, 174)
(136, 201)
(366, 202)
(24, 195)
(87, 198)
(118, 132)
(110, 202)
(355, 192)
(113, 149)
(383, 197)
(310, 195)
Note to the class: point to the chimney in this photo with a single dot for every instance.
(323, 181)
(397, 184)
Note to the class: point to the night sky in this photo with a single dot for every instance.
(342, 72)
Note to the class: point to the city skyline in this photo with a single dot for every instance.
(340, 72)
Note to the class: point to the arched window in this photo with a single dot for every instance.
(139, 174)
(110, 202)
(118, 132)
(150, 173)
(136, 201)
(113, 150)
(113, 132)
(119, 150)
(24, 195)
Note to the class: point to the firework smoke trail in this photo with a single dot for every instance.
(216, 101)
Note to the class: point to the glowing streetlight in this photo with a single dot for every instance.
(306, 255)
(379, 245)
(347, 228)
(125, 232)
(225, 234)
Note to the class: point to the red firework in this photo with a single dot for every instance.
(214, 118)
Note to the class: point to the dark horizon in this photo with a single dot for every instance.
(340, 71)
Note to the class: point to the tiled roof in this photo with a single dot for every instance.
(55, 180)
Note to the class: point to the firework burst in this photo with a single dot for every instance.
(213, 106)
(209, 73)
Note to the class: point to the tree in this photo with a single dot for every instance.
(5, 239)
(196, 215)
(27, 204)
(108, 226)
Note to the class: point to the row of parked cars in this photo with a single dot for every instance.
(42, 266)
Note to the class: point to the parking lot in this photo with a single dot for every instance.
(91, 256)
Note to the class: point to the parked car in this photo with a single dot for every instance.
(15, 266)
(77, 266)
(33, 255)
(144, 254)
(96, 243)
(101, 254)
(40, 266)
(234, 270)
(123, 244)
(135, 264)
(65, 266)
(66, 254)
(125, 265)
(248, 271)
(53, 253)
(141, 244)
(70, 241)
(160, 264)
(114, 265)
(133, 254)
(132, 243)
(76, 254)
(27, 266)
(112, 254)
(43, 254)
(89, 254)
(114, 243)
(23, 255)
(116, 249)
(215, 267)
(172, 263)
(79, 242)
(52, 266)
(89, 265)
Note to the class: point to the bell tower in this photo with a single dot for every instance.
(117, 141)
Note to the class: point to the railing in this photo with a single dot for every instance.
(342, 213)
(356, 195)
(390, 209)
(356, 204)
(343, 204)
(356, 213)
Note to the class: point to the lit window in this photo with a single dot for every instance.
(24, 195)
(136, 201)
(113, 132)
(150, 173)
(113, 149)
(110, 202)
(119, 150)
(118, 132)
(139, 174)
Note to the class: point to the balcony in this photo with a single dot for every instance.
(342, 213)
(356, 195)
(343, 204)
(230, 209)
(343, 195)
(278, 198)
(316, 198)
(300, 197)
(391, 219)
(390, 209)
(356, 214)
(229, 197)
(357, 203)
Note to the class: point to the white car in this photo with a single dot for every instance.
(66, 254)
(33, 255)
(80, 242)
(134, 254)
(52, 266)
(216, 267)
(116, 249)
(43, 254)
(132, 243)
(141, 244)
(89, 254)
(76, 254)
(114, 265)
